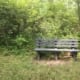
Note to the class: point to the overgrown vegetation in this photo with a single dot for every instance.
(25, 68)
(21, 22)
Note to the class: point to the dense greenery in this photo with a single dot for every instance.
(22, 21)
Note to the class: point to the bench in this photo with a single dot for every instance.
(57, 46)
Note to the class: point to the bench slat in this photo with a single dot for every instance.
(49, 49)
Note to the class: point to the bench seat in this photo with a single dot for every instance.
(55, 49)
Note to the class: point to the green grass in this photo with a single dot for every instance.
(25, 68)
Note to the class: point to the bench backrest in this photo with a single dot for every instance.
(57, 43)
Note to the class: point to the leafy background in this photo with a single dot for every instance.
(22, 21)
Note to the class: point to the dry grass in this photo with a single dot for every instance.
(26, 68)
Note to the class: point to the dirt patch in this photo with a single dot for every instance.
(54, 62)
(62, 61)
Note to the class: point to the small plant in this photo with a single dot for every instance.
(20, 41)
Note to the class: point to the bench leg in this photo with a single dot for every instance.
(56, 55)
(74, 55)
(39, 55)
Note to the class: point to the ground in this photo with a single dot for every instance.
(26, 68)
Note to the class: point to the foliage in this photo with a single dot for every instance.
(21, 22)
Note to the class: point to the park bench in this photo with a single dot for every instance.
(56, 46)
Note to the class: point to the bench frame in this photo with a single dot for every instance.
(57, 46)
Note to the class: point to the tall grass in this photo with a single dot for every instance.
(25, 68)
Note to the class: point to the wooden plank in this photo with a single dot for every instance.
(58, 42)
(56, 45)
(49, 49)
(66, 46)
(68, 40)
